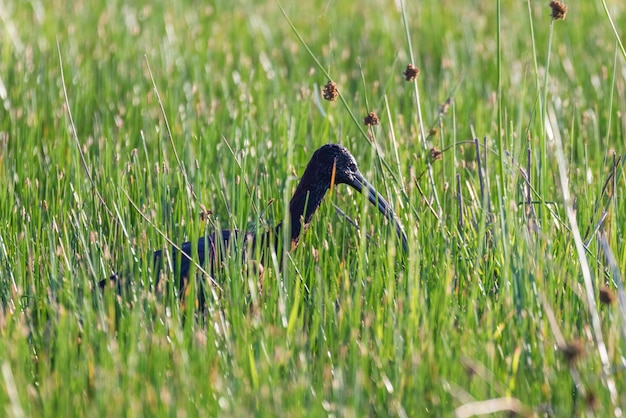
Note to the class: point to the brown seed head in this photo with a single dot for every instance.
(572, 350)
(559, 10)
(607, 297)
(443, 109)
(591, 400)
(435, 154)
(470, 370)
(330, 91)
(371, 119)
(411, 72)
(204, 213)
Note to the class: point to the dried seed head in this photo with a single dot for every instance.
(435, 154)
(559, 10)
(591, 400)
(607, 297)
(204, 213)
(433, 132)
(572, 350)
(443, 109)
(411, 72)
(330, 91)
(371, 119)
(470, 370)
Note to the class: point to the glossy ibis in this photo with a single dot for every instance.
(330, 164)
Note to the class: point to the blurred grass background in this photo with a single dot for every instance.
(348, 326)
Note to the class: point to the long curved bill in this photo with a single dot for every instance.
(375, 198)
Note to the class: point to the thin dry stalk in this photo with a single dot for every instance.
(459, 198)
(169, 133)
(83, 162)
(608, 189)
(596, 324)
(484, 200)
(492, 406)
(617, 278)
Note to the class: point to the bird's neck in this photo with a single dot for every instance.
(303, 205)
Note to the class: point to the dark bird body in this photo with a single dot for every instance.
(330, 164)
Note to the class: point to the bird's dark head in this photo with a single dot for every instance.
(333, 164)
(333, 161)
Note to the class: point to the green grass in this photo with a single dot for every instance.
(345, 325)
